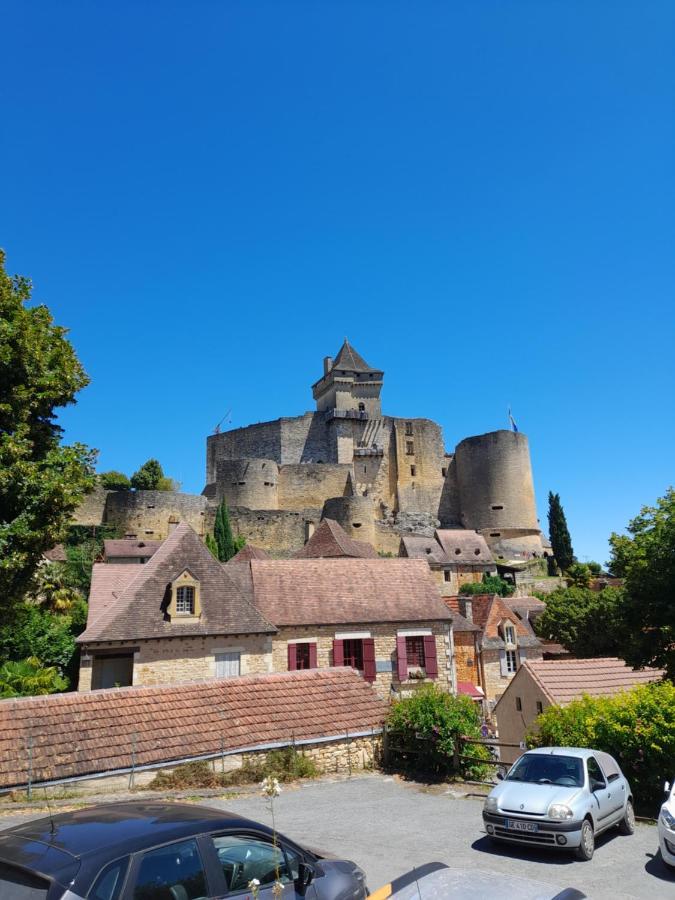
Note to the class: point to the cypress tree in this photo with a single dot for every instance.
(559, 533)
(222, 532)
(210, 542)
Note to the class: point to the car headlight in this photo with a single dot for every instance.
(559, 811)
(667, 819)
(490, 805)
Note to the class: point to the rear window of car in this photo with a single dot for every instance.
(15, 884)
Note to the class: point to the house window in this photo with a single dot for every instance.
(413, 470)
(540, 707)
(446, 575)
(185, 601)
(511, 662)
(353, 653)
(414, 650)
(519, 704)
(409, 448)
(509, 635)
(228, 664)
(302, 656)
(408, 428)
(444, 472)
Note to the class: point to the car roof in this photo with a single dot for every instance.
(114, 829)
(580, 752)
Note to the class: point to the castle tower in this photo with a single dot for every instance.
(349, 385)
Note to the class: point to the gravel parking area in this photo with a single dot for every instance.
(389, 826)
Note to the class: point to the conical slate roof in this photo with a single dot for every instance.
(351, 361)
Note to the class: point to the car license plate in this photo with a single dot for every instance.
(515, 825)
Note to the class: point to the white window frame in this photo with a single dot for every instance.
(510, 635)
(511, 657)
(228, 651)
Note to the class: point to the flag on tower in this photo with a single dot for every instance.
(514, 427)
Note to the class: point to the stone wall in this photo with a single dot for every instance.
(174, 660)
(495, 682)
(311, 484)
(334, 757)
(280, 532)
(385, 649)
(466, 657)
(253, 483)
(355, 514)
(420, 459)
(92, 509)
(151, 514)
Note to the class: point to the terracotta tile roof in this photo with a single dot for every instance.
(449, 546)
(471, 690)
(56, 554)
(459, 623)
(139, 610)
(130, 547)
(79, 734)
(248, 552)
(487, 612)
(331, 540)
(564, 680)
(334, 591)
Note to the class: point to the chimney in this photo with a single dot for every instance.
(467, 609)
(327, 364)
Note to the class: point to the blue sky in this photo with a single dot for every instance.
(480, 195)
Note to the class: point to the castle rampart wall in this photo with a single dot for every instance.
(355, 514)
(152, 514)
(310, 484)
(420, 459)
(248, 482)
(281, 532)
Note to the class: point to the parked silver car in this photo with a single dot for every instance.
(667, 825)
(560, 797)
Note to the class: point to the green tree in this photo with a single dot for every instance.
(585, 622)
(53, 589)
(594, 567)
(148, 477)
(491, 584)
(559, 532)
(227, 545)
(579, 574)
(645, 559)
(210, 542)
(42, 481)
(114, 481)
(27, 677)
(637, 727)
(427, 725)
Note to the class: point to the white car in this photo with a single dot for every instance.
(667, 826)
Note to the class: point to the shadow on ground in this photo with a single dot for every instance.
(658, 869)
(546, 855)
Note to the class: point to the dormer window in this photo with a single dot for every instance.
(185, 601)
(509, 635)
(185, 605)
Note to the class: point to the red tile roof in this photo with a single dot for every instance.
(248, 552)
(470, 689)
(331, 540)
(564, 680)
(139, 609)
(130, 548)
(336, 591)
(81, 734)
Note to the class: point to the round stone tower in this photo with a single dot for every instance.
(252, 483)
(494, 477)
(355, 514)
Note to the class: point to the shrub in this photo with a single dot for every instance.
(636, 727)
(491, 584)
(114, 481)
(427, 725)
(27, 677)
(285, 764)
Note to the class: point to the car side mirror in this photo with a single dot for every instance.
(304, 879)
(597, 785)
(499, 775)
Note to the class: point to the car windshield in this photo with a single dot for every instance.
(15, 884)
(539, 768)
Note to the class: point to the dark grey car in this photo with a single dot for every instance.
(164, 851)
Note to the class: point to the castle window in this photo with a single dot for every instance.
(408, 428)
(413, 470)
(446, 575)
(365, 469)
(477, 552)
(457, 551)
(444, 472)
(497, 507)
(496, 534)
(362, 407)
(185, 601)
(409, 448)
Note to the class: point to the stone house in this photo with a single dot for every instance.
(539, 684)
(504, 642)
(177, 617)
(454, 555)
(383, 617)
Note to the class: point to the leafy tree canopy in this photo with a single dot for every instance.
(27, 677)
(645, 559)
(114, 481)
(41, 480)
(559, 532)
(585, 622)
(636, 727)
(151, 477)
(579, 574)
(491, 584)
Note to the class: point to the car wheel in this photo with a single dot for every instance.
(587, 844)
(627, 824)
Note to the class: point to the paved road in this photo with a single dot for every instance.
(389, 826)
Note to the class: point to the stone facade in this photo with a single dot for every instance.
(496, 681)
(340, 757)
(467, 657)
(175, 660)
(144, 514)
(384, 635)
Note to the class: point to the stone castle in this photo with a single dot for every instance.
(380, 477)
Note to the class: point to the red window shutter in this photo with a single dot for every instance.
(430, 659)
(369, 667)
(401, 659)
(312, 655)
(338, 653)
(292, 657)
